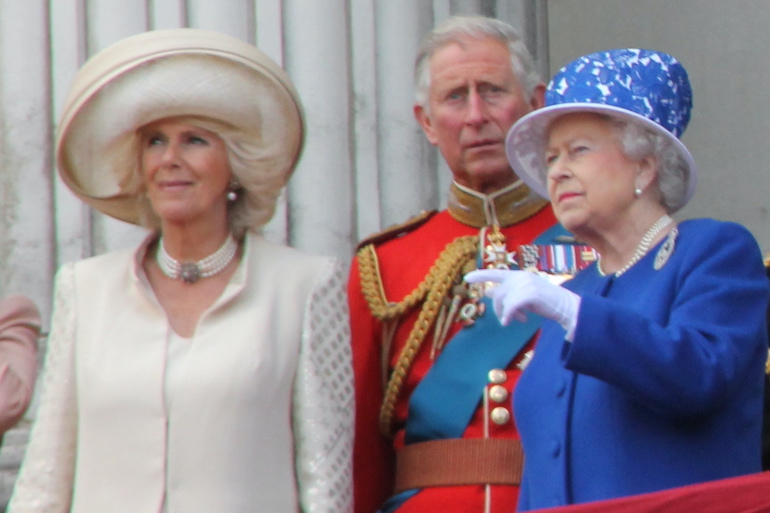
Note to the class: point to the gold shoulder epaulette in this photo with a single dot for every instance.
(397, 229)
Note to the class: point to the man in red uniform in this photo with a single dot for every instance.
(434, 375)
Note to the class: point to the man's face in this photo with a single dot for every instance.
(473, 100)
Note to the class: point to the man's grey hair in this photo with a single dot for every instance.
(459, 29)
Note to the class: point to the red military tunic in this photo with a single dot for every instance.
(404, 258)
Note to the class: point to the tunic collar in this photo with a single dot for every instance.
(504, 207)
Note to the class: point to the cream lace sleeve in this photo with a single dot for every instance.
(46, 476)
(323, 400)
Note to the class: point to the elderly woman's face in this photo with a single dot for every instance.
(186, 171)
(590, 179)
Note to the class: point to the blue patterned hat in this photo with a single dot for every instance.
(643, 86)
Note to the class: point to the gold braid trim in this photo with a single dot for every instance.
(434, 288)
(374, 291)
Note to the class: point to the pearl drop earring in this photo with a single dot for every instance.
(232, 194)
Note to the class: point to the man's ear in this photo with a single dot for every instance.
(423, 118)
(538, 97)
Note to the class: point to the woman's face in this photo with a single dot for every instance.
(590, 180)
(186, 171)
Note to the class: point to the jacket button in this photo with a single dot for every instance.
(497, 376)
(561, 387)
(555, 448)
(500, 415)
(498, 393)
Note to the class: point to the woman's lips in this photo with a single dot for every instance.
(566, 196)
(174, 184)
(174, 187)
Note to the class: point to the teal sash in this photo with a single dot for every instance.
(443, 403)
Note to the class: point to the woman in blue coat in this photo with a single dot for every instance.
(651, 376)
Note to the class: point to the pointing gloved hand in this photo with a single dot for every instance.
(523, 291)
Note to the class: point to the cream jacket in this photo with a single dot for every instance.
(263, 423)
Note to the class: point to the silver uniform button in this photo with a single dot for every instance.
(500, 415)
(498, 393)
(497, 376)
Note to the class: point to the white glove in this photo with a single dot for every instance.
(524, 291)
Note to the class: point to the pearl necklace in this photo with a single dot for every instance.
(190, 272)
(642, 248)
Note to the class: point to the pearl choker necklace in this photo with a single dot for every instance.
(642, 248)
(190, 272)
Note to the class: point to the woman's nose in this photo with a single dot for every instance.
(170, 153)
(556, 169)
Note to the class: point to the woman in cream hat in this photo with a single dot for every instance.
(208, 369)
(651, 375)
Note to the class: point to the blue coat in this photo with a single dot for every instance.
(662, 385)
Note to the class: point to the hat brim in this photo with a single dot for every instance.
(525, 142)
(130, 84)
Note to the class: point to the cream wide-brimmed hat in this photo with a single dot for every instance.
(168, 73)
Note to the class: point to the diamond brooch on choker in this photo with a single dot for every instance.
(190, 272)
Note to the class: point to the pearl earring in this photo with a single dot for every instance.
(637, 192)
(232, 194)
